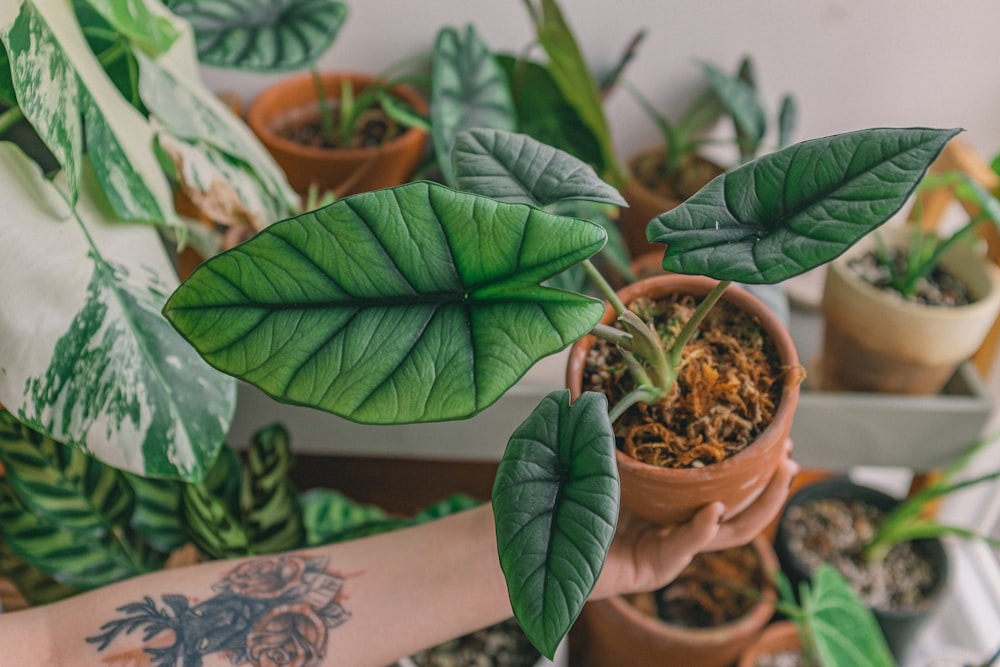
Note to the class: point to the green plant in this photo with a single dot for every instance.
(835, 627)
(104, 119)
(735, 96)
(258, 36)
(913, 519)
(908, 267)
(423, 303)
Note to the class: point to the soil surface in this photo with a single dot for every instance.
(835, 531)
(726, 393)
(693, 175)
(372, 128)
(709, 591)
(501, 645)
(937, 289)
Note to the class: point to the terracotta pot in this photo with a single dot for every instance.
(670, 496)
(898, 625)
(345, 171)
(876, 341)
(616, 633)
(778, 637)
(644, 204)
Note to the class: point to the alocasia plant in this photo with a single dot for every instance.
(421, 303)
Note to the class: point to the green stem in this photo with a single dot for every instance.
(642, 394)
(603, 286)
(9, 118)
(696, 319)
(325, 115)
(613, 335)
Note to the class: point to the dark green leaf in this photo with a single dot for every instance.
(556, 505)
(788, 118)
(211, 510)
(785, 213)
(7, 96)
(410, 304)
(262, 35)
(739, 98)
(451, 505)
(329, 515)
(844, 630)
(468, 89)
(269, 503)
(157, 512)
(516, 168)
(37, 587)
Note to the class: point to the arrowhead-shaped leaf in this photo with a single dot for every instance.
(411, 304)
(87, 357)
(785, 213)
(517, 168)
(261, 35)
(469, 89)
(555, 500)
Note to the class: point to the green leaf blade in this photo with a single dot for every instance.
(516, 168)
(416, 303)
(270, 504)
(785, 213)
(844, 630)
(560, 463)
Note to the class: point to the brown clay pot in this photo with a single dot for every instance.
(616, 633)
(670, 496)
(644, 204)
(778, 637)
(875, 341)
(344, 171)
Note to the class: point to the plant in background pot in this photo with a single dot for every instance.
(889, 550)
(827, 626)
(423, 303)
(707, 616)
(663, 176)
(95, 144)
(338, 132)
(903, 310)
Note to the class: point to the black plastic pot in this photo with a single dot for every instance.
(898, 626)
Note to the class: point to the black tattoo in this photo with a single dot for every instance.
(266, 612)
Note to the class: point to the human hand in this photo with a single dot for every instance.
(645, 556)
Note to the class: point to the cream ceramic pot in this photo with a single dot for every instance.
(874, 340)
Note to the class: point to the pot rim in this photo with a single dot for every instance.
(260, 121)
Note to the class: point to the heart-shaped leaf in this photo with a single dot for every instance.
(468, 89)
(411, 304)
(516, 168)
(785, 213)
(844, 631)
(555, 500)
(262, 35)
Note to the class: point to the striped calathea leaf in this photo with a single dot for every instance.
(87, 358)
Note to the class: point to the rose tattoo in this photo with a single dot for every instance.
(266, 612)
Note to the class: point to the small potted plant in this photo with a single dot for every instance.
(421, 303)
(336, 132)
(890, 550)
(927, 300)
(665, 175)
(827, 625)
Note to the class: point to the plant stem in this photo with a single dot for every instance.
(9, 118)
(325, 115)
(613, 335)
(695, 321)
(603, 286)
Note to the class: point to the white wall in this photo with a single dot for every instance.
(850, 63)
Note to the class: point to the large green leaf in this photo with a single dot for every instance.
(270, 504)
(517, 168)
(410, 304)
(262, 35)
(468, 89)
(88, 358)
(785, 213)
(555, 500)
(65, 514)
(65, 94)
(844, 631)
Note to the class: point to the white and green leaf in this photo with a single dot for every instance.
(88, 359)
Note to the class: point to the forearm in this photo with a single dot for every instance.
(366, 602)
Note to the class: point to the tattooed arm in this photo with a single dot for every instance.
(358, 603)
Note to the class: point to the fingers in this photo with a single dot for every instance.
(749, 523)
